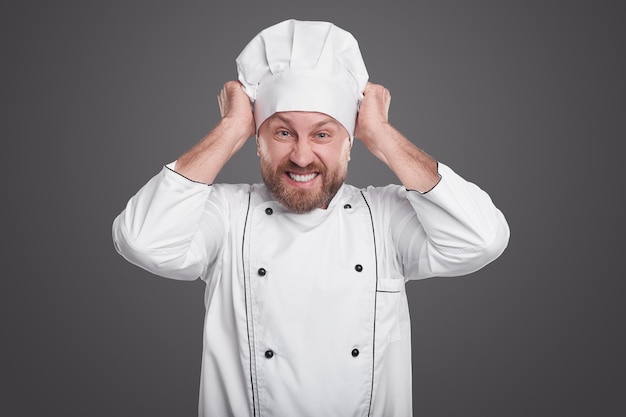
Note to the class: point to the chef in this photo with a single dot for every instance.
(306, 310)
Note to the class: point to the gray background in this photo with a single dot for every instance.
(525, 98)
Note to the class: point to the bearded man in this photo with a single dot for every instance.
(306, 310)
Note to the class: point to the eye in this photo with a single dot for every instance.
(282, 134)
(322, 135)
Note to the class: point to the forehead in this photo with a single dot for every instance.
(302, 118)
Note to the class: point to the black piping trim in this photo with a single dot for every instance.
(369, 411)
(187, 178)
(245, 295)
(431, 188)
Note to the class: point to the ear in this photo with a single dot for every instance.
(258, 147)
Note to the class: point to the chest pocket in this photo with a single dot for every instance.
(389, 293)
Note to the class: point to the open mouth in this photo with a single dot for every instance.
(302, 177)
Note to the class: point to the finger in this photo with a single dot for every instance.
(219, 103)
(221, 100)
(386, 99)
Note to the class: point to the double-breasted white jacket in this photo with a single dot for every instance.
(306, 314)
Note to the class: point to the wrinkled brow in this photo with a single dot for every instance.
(328, 120)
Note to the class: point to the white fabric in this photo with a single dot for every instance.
(304, 66)
(312, 306)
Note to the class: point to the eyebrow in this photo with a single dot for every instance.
(315, 126)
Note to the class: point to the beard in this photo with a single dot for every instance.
(300, 200)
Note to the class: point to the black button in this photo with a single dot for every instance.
(269, 211)
(347, 206)
(358, 267)
(269, 354)
(262, 272)
(355, 353)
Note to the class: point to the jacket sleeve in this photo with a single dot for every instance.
(453, 229)
(171, 227)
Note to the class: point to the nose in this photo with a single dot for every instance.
(302, 153)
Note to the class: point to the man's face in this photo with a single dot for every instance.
(304, 158)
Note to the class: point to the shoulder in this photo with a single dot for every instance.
(379, 199)
(385, 195)
(241, 194)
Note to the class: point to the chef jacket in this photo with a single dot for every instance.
(306, 314)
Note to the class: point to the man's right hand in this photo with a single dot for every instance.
(204, 161)
(235, 106)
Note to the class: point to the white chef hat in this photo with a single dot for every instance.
(304, 66)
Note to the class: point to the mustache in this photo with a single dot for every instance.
(292, 167)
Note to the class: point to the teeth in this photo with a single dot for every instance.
(302, 178)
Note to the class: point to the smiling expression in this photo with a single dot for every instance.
(304, 158)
